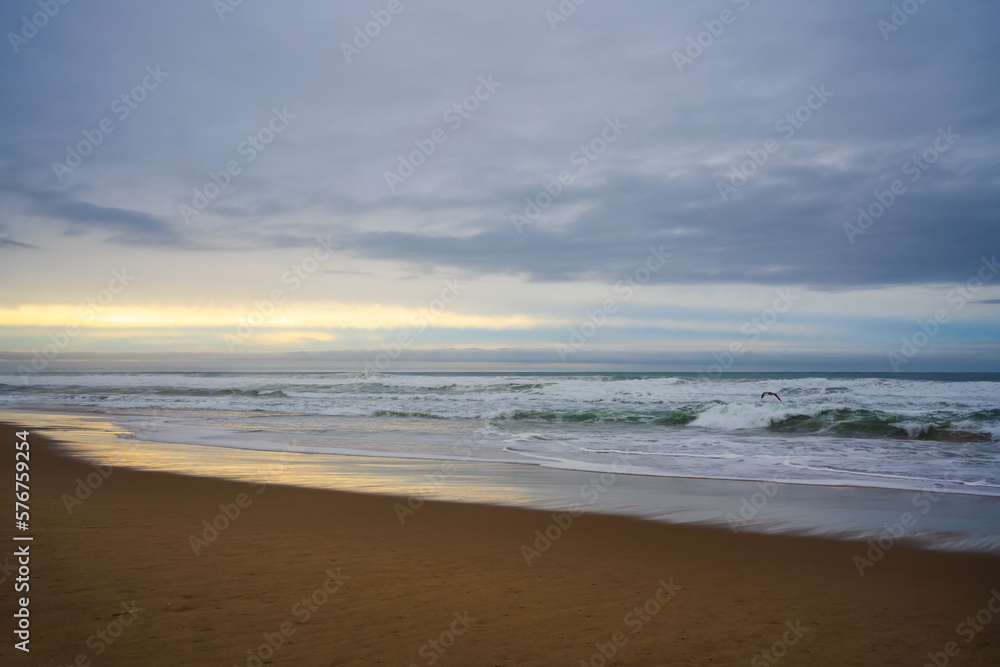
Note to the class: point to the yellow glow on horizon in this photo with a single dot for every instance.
(286, 337)
(262, 315)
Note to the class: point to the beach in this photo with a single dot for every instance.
(458, 334)
(464, 334)
(153, 568)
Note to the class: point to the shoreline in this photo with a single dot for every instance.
(929, 518)
(194, 436)
(318, 577)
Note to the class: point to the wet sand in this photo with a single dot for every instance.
(317, 577)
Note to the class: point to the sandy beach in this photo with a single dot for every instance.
(153, 568)
(479, 334)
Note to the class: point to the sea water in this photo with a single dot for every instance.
(935, 431)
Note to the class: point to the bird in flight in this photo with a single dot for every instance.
(771, 393)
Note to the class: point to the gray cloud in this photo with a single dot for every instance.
(7, 242)
(539, 359)
(657, 185)
(122, 226)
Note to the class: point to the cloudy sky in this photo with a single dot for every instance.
(755, 185)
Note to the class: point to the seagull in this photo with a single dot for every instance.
(771, 393)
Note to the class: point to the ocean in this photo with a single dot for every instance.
(919, 432)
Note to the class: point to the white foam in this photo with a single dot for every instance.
(733, 433)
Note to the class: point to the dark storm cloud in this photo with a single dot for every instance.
(121, 226)
(772, 236)
(127, 227)
(6, 241)
(558, 84)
